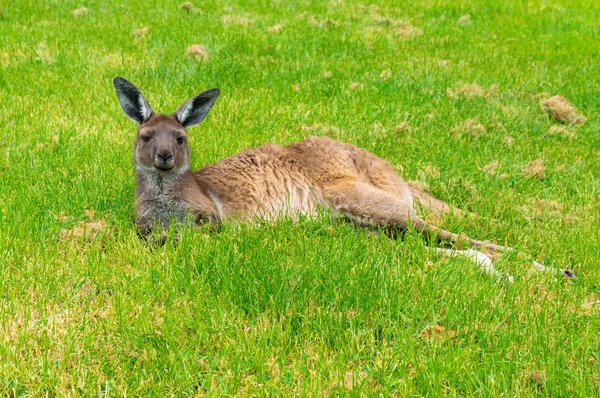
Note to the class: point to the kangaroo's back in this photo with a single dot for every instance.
(275, 180)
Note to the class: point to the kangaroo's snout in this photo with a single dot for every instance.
(164, 160)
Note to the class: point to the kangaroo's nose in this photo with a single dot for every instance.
(164, 156)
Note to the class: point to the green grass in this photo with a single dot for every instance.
(313, 307)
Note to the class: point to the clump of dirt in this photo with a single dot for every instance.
(79, 12)
(561, 110)
(189, 7)
(535, 169)
(87, 230)
(469, 127)
(355, 85)
(563, 131)
(275, 28)
(197, 53)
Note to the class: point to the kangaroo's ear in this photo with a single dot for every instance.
(132, 101)
(195, 110)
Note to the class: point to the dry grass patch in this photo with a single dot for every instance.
(465, 20)
(79, 12)
(469, 127)
(275, 28)
(353, 379)
(559, 109)
(197, 53)
(140, 34)
(401, 29)
(325, 23)
(405, 31)
(543, 208)
(508, 140)
(236, 20)
(381, 20)
(470, 91)
(4, 59)
(45, 54)
(535, 169)
(330, 23)
(429, 171)
(189, 7)
(590, 305)
(322, 129)
(491, 169)
(355, 85)
(562, 131)
(402, 128)
(386, 74)
(437, 333)
(537, 378)
(86, 230)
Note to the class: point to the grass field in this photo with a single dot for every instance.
(448, 92)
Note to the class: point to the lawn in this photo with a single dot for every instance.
(448, 92)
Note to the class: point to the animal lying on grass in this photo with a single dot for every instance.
(272, 181)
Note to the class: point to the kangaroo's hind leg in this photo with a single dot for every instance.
(437, 209)
(433, 208)
(370, 205)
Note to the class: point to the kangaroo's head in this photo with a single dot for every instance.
(161, 144)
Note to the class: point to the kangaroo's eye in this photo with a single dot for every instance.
(180, 140)
(144, 138)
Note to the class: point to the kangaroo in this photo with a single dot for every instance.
(273, 181)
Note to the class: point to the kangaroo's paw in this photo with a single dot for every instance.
(480, 259)
(567, 273)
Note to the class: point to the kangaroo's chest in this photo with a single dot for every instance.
(161, 204)
(166, 208)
